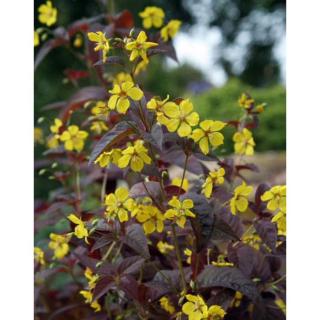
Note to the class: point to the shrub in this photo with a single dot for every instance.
(119, 237)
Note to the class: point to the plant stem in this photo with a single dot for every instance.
(103, 186)
(78, 189)
(180, 266)
(184, 173)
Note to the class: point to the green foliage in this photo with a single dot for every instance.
(220, 104)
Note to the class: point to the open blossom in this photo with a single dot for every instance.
(188, 253)
(89, 299)
(239, 201)
(243, 142)
(91, 278)
(166, 305)
(170, 30)
(245, 101)
(100, 108)
(281, 220)
(73, 138)
(136, 156)
(158, 106)
(47, 14)
(36, 38)
(119, 204)
(208, 134)
(55, 128)
(180, 211)
(108, 157)
(151, 219)
(80, 231)
(59, 244)
(214, 178)
(177, 182)
(139, 47)
(39, 255)
(164, 247)
(152, 17)
(102, 43)
(122, 77)
(276, 198)
(98, 127)
(120, 95)
(180, 117)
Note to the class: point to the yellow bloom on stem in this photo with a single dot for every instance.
(253, 240)
(180, 210)
(151, 219)
(136, 156)
(98, 127)
(108, 157)
(102, 43)
(36, 38)
(243, 142)
(215, 312)
(245, 101)
(122, 77)
(53, 142)
(118, 204)
(208, 133)
(239, 201)
(78, 41)
(177, 182)
(59, 245)
(55, 128)
(214, 178)
(281, 220)
(237, 299)
(170, 30)
(166, 305)
(88, 299)
(38, 135)
(120, 96)
(152, 17)
(164, 247)
(157, 106)
(221, 262)
(276, 198)
(188, 253)
(91, 278)
(100, 108)
(80, 231)
(139, 47)
(39, 256)
(73, 138)
(47, 14)
(195, 308)
(181, 117)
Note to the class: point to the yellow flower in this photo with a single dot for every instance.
(92, 278)
(170, 30)
(215, 312)
(122, 77)
(100, 108)
(106, 158)
(39, 256)
(120, 96)
(89, 296)
(214, 178)
(53, 142)
(80, 231)
(118, 204)
(136, 156)
(59, 245)
(166, 305)
(237, 299)
(141, 66)
(188, 253)
(244, 143)
(195, 308)
(276, 198)
(139, 47)
(208, 133)
(55, 128)
(158, 107)
(36, 39)
(102, 43)
(98, 127)
(281, 220)
(281, 304)
(253, 240)
(180, 211)
(73, 138)
(152, 16)
(177, 182)
(221, 262)
(47, 14)
(245, 101)
(151, 219)
(239, 201)
(181, 117)
(164, 247)
(38, 135)
(78, 41)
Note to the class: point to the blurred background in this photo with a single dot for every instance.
(225, 47)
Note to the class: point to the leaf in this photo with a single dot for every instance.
(103, 285)
(157, 134)
(116, 135)
(130, 265)
(136, 239)
(267, 232)
(227, 277)
(142, 189)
